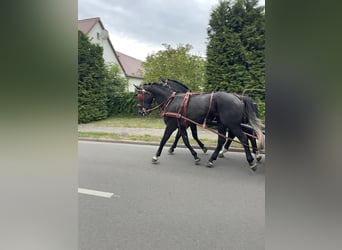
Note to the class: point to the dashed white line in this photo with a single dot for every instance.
(96, 193)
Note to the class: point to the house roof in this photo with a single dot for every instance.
(86, 25)
(131, 66)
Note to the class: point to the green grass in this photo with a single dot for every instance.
(130, 122)
(139, 122)
(146, 138)
(115, 136)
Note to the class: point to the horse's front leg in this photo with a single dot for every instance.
(187, 143)
(220, 141)
(174, 145)
(231, 136)
(193, 128)
(167, 133)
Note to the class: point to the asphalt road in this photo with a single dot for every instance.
(170, 205)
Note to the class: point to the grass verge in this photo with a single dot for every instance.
(139, 122)
(130, 122)
(146, 138)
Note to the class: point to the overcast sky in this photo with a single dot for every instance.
(139, 27)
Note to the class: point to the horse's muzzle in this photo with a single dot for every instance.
(142, 111)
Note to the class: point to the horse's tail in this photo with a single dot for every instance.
(251, 113)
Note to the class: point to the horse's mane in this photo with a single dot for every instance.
(157, 84)
(177, 82)
(153, 83)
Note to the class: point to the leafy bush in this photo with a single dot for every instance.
(100, 86)
(262, 110)
(123, 103)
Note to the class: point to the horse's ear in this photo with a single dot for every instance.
(164, 81)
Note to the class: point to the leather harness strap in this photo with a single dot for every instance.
(169, 100)
(204, 125)
(183, 109)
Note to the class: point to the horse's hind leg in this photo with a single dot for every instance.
(250, 135)
(187, 143)
(231, 136)
(255, 148)
(193, 128)
(220, 142)
(174, 145)
(244, 140)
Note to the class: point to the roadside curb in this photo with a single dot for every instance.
(232, 149)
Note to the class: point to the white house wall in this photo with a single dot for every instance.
(132, 82)
(108, 55)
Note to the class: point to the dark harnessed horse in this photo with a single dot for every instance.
(178, 88)
(182, 88)
(178, 109)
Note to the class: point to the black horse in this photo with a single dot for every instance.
(182, 88)
(228, 109)
(178, 87)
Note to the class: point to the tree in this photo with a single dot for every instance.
(236, 47)
(92, 96)
(116, 86)
(175, 64)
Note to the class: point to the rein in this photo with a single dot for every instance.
(162, 105)
(154, 108)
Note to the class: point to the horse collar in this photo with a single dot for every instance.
(168, 100)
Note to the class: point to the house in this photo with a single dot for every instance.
(133, 69)
(130, 68)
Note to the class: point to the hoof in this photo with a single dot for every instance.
(171, 151)
(209, 164)
(154, 159)
(204, 149)
(197, 160)
(222, 152)
(258, 157)
(253, 166)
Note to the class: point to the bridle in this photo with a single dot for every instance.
(141, 99)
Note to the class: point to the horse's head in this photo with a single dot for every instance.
(145, 99)
(152, 91)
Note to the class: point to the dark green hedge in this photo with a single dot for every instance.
(124, 103)
(92, 94)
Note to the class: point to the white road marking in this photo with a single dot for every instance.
(96, 193)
